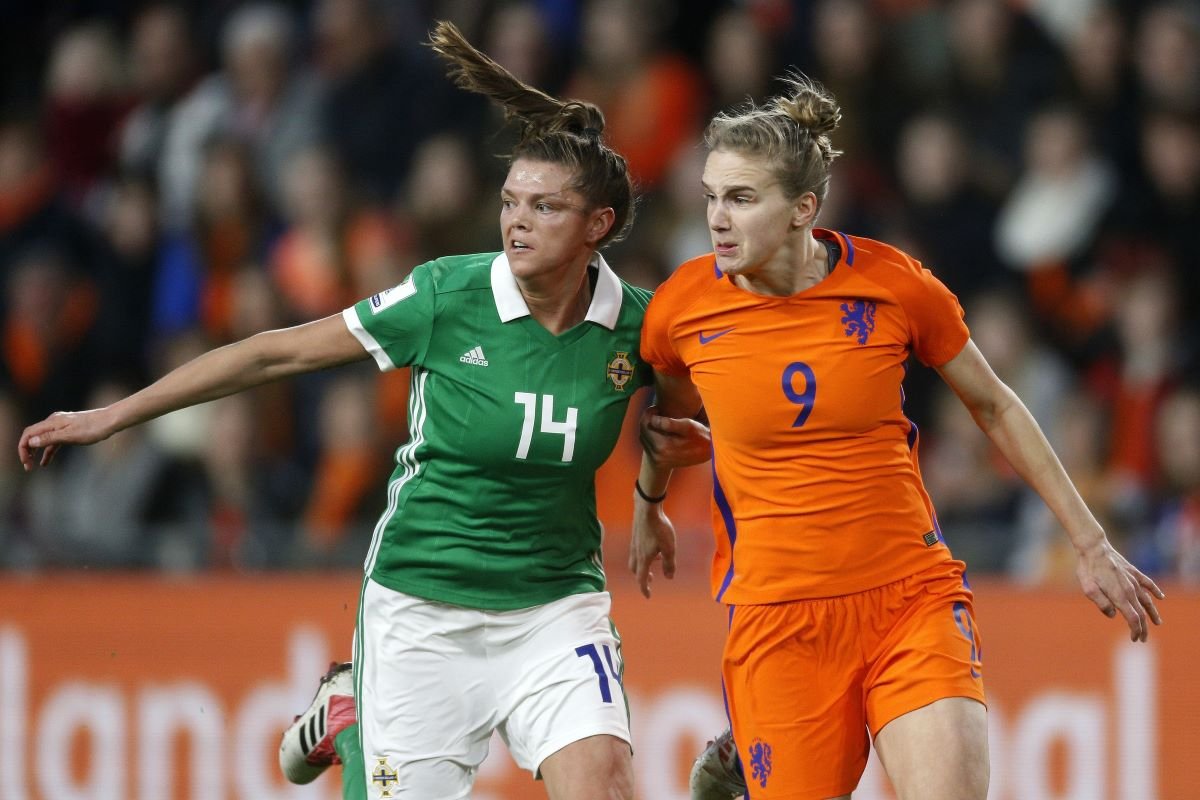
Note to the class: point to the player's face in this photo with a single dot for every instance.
(749, 218)
(546, 225)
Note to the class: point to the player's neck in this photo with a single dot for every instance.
(792, 269)
(560, 300)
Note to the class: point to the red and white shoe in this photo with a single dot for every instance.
(306, 749)
(717, 772)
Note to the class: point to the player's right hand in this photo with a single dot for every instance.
(674, 443)
(653, 538)
(58, 429)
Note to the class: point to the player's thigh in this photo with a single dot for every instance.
(937, 752)
(559, 677)
(924, 688)
(793, 675)
(929, 646)
(425, 706)
(595, 768)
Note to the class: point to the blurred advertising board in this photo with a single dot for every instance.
(120, 687)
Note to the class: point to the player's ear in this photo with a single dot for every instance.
(804, 211)
(601, 222)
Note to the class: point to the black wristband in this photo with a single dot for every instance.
(637, 487)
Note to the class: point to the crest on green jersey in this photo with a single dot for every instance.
(620, 369)
(384, 777)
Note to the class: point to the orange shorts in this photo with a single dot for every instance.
(807, 679)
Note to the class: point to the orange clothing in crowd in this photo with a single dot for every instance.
(816, 488)
(318, 276)
(650, 116)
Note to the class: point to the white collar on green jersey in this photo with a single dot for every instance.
(606, 300)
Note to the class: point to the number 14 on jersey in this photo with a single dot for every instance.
(565, 428)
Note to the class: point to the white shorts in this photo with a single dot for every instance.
(433, 681)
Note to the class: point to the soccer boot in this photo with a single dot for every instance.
(306, 749)
(717, 772)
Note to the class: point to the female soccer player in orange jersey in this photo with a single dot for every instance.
(848, 614)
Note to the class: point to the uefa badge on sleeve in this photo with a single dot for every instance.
(620, 369)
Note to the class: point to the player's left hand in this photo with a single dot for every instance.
(1116, 586)
(653, 537)
(674, 443)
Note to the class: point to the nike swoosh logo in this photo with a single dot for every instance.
(706, 339)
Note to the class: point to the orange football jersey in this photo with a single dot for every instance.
(816, 487)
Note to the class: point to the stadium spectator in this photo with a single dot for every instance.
(1041, 553)
(946, 215)
(1165, 202)
(850, 52)
(163, 69)
(130, 228)
(369, 60)
(233, 227)
(818, 498)
(979, 495)
(17, 548)
(441, 208)
(263, 97)
(1001, 68)
(738, 58)
(50, 318)
(86, 102)
(518, 39)
(34, 211)
(1175, 533)
(100, 515)
(337, 519)
(252, 500)
(332, 250)
(1133, 380)
(1102, 81)
(1048, 224)
(1167, 56)
(1064, 191)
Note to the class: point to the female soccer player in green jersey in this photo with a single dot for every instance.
(483, 606)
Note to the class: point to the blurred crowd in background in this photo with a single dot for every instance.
(175, 176)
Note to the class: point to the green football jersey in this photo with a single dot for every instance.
(492, 503)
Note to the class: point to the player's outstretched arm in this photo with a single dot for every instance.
(258, 359)
(1105, 576)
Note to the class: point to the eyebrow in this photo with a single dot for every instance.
(730, 189)
(535, 195)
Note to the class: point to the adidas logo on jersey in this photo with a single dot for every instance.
(474, 356)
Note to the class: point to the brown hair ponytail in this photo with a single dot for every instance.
(552, 130)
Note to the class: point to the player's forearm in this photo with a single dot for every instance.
(217, 373)
(1016, 434)
(652, 479)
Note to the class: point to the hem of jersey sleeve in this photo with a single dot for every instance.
(674, 372)
(513, 602)
(941, 362)
(350, 317)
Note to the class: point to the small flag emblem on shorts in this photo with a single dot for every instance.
(930, 539)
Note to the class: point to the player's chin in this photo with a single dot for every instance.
(729, 259)
(525, 262)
